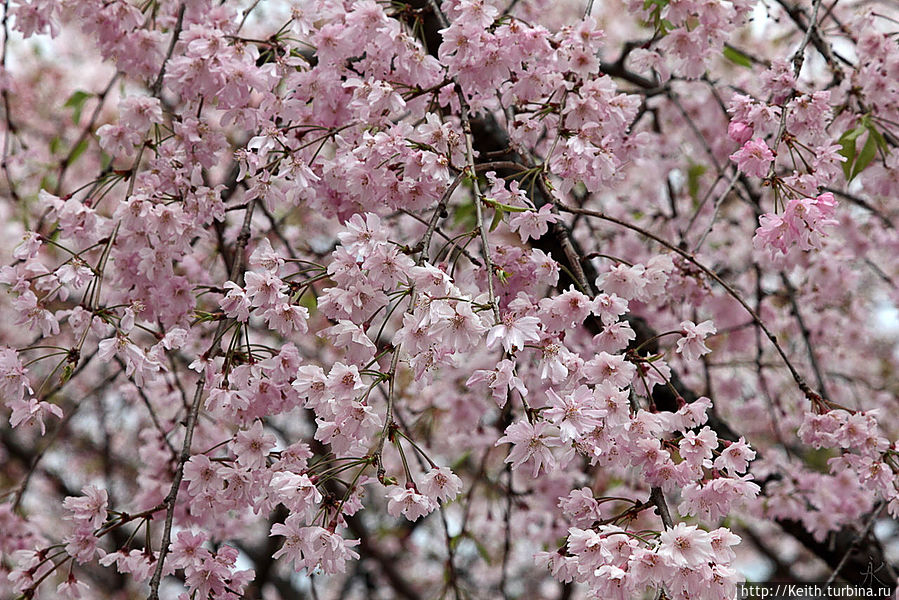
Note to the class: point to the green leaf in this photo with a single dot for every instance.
(694, 173)
(869, 151)
(848, 151)
(66, 374)
(309, 302)
(466, 215)
(737, 57)
(78, 150)
(504, 207)
(879, 140)
(497, 217)
(854, 134)
(48, 182)
(76, 101)
(482, 550)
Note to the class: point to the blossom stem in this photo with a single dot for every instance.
(417, 448)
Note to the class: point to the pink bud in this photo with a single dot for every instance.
(739, 132)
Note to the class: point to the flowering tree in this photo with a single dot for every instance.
(447, 299)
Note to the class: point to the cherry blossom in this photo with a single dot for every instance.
(692, 344)
(531, 444)
(408, 502)
(754, 158)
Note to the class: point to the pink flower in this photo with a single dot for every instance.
(779, 80)
(13, 376)
(263, 289)
(362, 233)
(565, 311)
(311, 384)
(72, 589)
(118, 140)
(31, 411)
(409, 503)
(613, 401)
(697, 448)
(685, 546)
(547, 270)
(286, 318)
(431, 280)
(739, 132)
(32, 313)
(612, 367)
(295, 538)
(533, 224)
(330, 551)
(456, 321)
(501, 381)
(581, 507)
(188, 550)
(235, 304)
(264, 256)
(514, 332)
(82, 544)
(29, 247)
(717, 497)
(252, 446)
(531, 443)
(202, 475)
(90, 508)
(136, 562)
(576, 413)
(137, 363)
(803, 224)
(722, 540)
(139, 112)
(348, 335)
(344, 381)
(313, 546)
(440, 483)
(647, 567)
(297, 492)
(555, 361)
(754, 158)
(624, 281)
(773, 232)
(563, 568)
(692, 345)
(735, 457)
(609, 307)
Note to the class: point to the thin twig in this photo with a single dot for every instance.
(857, 541)
(157, 85)
(791, 292)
